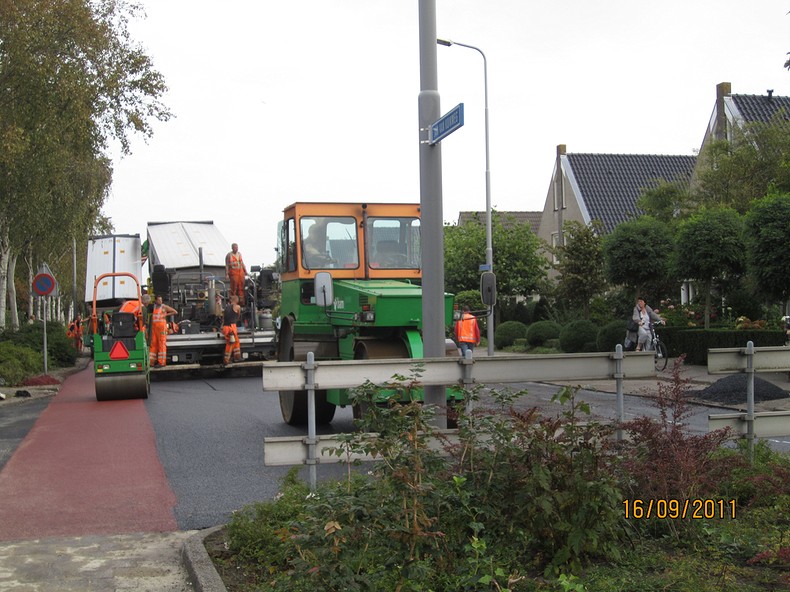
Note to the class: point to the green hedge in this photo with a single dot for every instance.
(610, 335)
(578, 336)
(507, 333)
(17, 362)
(540, 332)
(695, 343)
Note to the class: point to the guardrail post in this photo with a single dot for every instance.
(618, 378)
(467, 363)
(750, 399)
(309, 368)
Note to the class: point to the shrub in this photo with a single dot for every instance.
(666, 461)
(17, 362)
(431, 521)
(512, 310)
(578, 336)
(538, 310)
(610, 335)
(470, 298)
(59, 349)
(507, 333)
(538, 333)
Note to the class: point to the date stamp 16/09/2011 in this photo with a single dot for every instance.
(674, 509)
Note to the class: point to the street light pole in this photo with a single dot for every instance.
(489, 231)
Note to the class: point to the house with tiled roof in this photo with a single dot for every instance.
(604, 187)
(531, 218)
(734, 111)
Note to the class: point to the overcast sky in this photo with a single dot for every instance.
(316, 100)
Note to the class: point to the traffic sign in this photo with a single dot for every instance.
(447, 124)
(43, 284)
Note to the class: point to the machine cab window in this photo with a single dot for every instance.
(394, 243)
(287, 248)
(329, 242)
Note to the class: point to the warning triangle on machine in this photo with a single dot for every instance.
(119, 351)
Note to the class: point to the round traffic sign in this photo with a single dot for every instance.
(43, 284)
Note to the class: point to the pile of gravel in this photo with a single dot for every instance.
(731, 390)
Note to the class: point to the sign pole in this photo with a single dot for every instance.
(44, 316)
(44, 284)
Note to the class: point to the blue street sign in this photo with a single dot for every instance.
(447, 124)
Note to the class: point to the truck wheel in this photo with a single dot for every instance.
(293, 404)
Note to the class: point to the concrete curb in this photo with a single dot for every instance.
(201, 569)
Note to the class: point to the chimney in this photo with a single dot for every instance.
(770, 92)
(723, 89)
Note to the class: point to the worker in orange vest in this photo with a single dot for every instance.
(230, 331)
(157, 355)
(134, 307)
(235, 271)
(467, 333)
(75, 332)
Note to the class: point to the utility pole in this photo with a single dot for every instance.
(432, 221)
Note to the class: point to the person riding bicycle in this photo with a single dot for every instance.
(642, 316)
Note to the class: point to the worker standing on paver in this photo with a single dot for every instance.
(235, 271)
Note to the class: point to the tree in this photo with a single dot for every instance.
(709, 246)
(519, 267)
(755, 163)
(71, 79)
(667, 202)
(580, 266)
(636, 254)
(769, 247)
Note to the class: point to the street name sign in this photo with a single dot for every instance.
(447, 124)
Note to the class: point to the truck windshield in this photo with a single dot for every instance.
(394, 243)
(329, 242)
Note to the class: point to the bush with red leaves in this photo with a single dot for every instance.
(40, 380)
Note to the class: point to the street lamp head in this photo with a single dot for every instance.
(445, 42)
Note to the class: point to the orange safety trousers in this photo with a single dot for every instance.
(237, 284)
(232, 346)
(158, 351)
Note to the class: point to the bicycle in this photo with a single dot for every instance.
(661, 353)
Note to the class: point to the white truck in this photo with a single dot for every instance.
(112, 253)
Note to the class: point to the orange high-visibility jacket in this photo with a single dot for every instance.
(159, 315)
(234, 260)
(466, 329)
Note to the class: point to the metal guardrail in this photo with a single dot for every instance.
(283, 376)
(750, 359)
(728, 360)
(311, 375)
(769, 424)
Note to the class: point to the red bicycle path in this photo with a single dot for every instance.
(86, 468)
